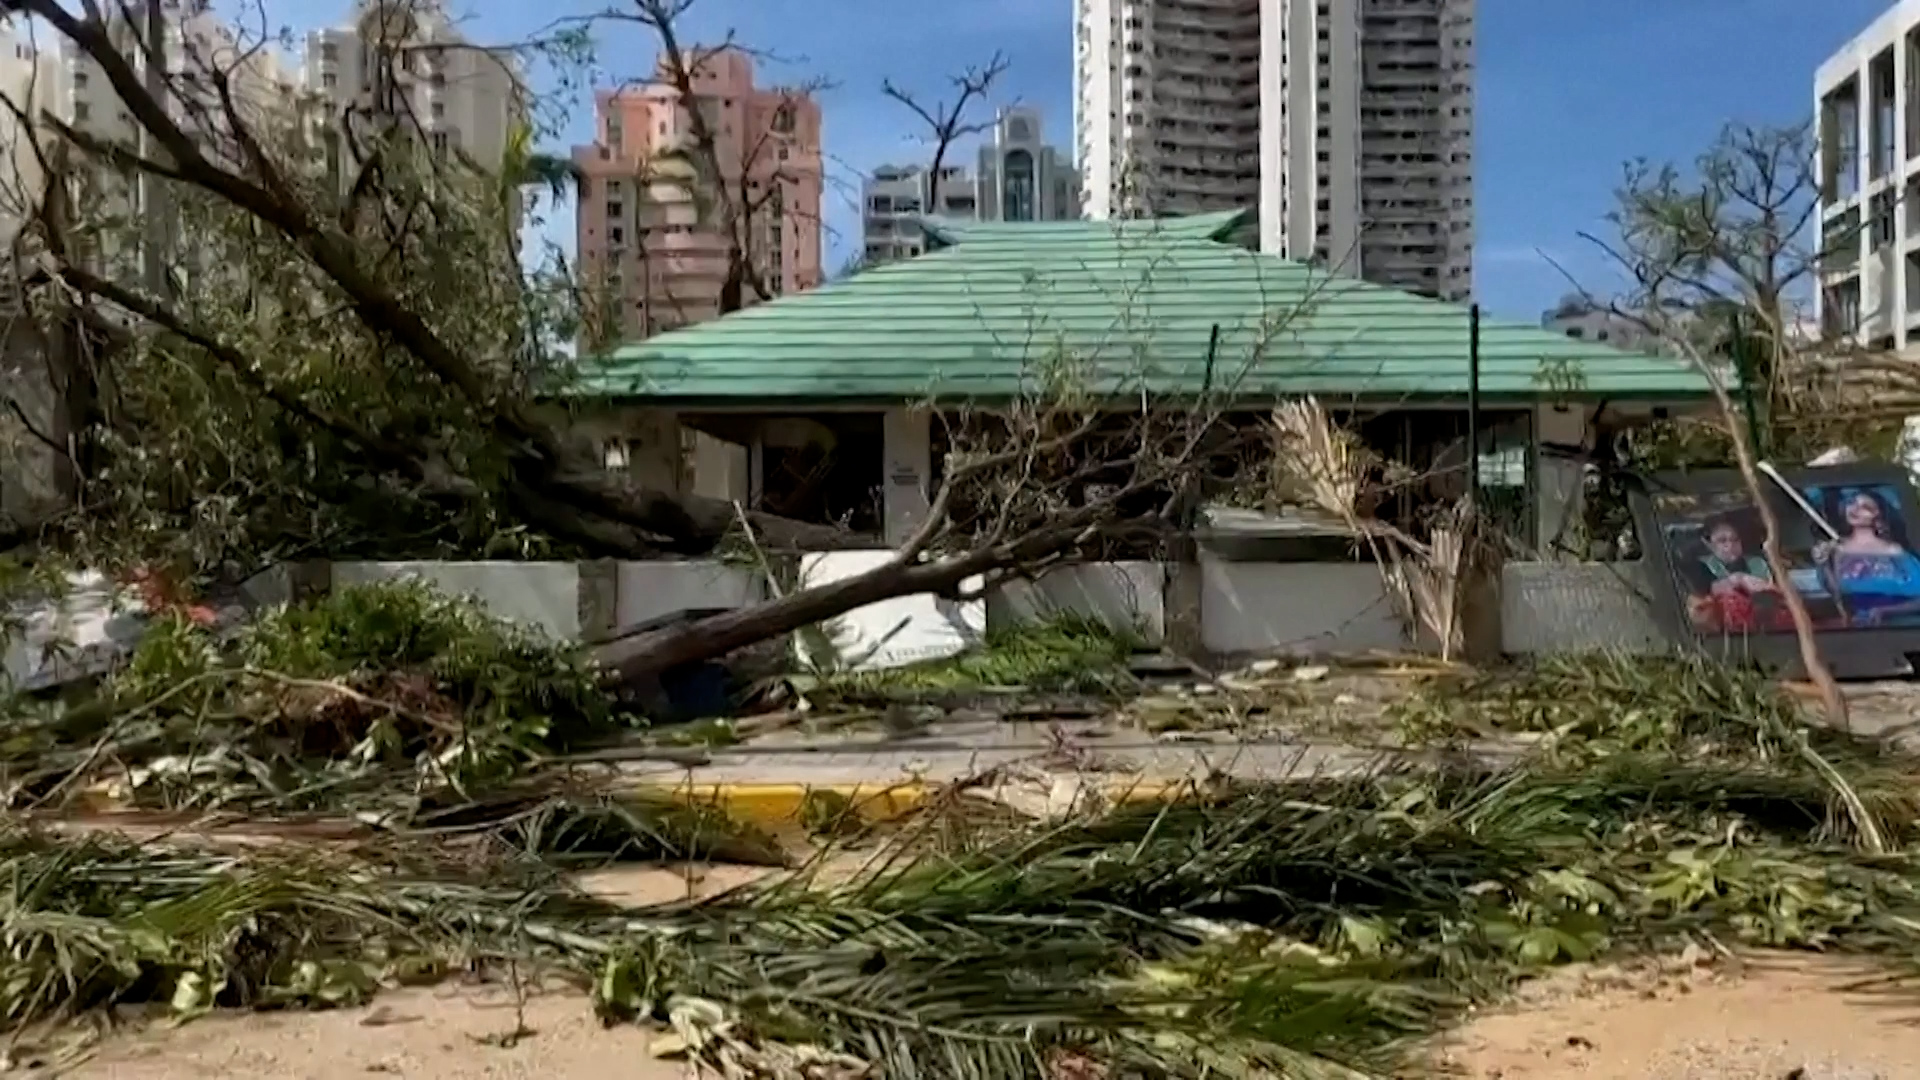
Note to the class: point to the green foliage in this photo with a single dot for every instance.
(1306, 928)
(324, 703)
(1598, 706)
(200, 463)
(1309, 928)
(1062, 653)
(1605, 701)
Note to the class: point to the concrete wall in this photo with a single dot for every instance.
(1578, 607)
(648, 590)
(1128, 595)
(1245, 607)
(542, 594)
(1248, 607)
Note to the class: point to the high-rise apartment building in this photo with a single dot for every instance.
(197, 41)
(1867, 105)
(1021, 178)
(407, 59)
(1582, 317)
(656, 242)
(1348, 125)
(32, 77)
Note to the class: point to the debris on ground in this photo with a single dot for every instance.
(427, 775)
(370, 689)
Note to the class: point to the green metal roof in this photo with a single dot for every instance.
(1215, 226)
(1121, 308)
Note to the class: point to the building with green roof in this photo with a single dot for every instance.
(1169, 309)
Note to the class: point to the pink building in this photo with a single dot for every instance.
(652, 240)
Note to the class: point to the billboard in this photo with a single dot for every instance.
(1848, 544)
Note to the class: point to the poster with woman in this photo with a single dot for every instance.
(1867, 553)
(1847, 550)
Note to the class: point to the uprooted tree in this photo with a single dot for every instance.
(344, 352)
(1718, 258)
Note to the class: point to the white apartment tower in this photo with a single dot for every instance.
(1348, 125)
(198, 41)
(1867, 105)
(462, 96)
(32, 77)
(895, 196)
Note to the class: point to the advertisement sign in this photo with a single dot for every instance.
(1847, 538)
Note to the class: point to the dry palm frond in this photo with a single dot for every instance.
(1327, 467)
(1298, 929)
(1318, 463)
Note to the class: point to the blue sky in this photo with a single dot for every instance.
(1568, 91)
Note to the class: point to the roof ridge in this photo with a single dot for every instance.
(1213, 225)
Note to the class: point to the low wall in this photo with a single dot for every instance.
(1125, 595)
(1579, 607)
(1251, 607)
(542, 594)
(1245, 607)
(648, 590)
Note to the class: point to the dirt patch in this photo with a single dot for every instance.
(442, 1034)
(668, 883)
(1767, 1017)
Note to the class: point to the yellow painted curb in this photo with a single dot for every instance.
(787, 804)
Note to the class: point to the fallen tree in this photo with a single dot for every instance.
(340, 345)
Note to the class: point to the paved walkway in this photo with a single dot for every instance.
(770, 779)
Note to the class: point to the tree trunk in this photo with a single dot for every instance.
(647, 656)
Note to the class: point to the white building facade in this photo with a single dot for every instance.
(1021, 178)
(32, 77)
(1867, 109)
(407, 58)
(1348, 125)
(197, 41)
(895, 196)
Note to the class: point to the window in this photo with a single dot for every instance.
(79, 79)
(1881, 221)
(1018, 194)
(329, 80)
(616, 211)
(80, 110)
(783, 120)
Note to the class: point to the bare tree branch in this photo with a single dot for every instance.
(947, 123)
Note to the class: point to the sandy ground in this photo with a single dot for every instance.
(1773, 1017)
(446, 1034)
(1770, 1018)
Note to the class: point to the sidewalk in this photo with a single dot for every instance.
(768, 781)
